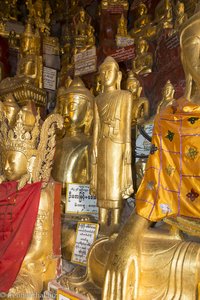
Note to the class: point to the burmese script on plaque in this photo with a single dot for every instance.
(79, 200)
(85, 236)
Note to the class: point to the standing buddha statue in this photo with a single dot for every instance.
(111, 181)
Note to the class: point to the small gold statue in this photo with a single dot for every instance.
(84, 32)
(28, 82)
(143, 25)
(111, 179)
(122, 27)
(181, 16)
(27, 160)
(140, 112)
(143, 62)
(167, 97)
(164, 15)
(71, 163)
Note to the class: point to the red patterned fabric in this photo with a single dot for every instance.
(18, 213)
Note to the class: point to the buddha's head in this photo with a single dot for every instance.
(142, 46)
(133, 85)
(82, 15)
(110, 75)
(27, 155)
(18, 148)
(11, 109)
(77, 107)
(142, 9)
(168, 91)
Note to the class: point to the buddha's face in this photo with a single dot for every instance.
(15, 165)
(108, 75)
(133, 86)
(142, 10)
(75, 109)
(82, 15)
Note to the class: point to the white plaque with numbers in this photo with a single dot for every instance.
(86, 234)
(79, 200)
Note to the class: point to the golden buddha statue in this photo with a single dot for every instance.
(164, 15)
(143, 62)
(111, 181)
(189, 55)
(140, 112)
(28, 82)
(28, 256)
(143, 25)
(122, 27)
(84, 32)
(167, 97)
(72, 154)
(161, 261)
(181, 16)
(72, 159)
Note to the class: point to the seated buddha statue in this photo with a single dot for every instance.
(143, 24)
(143, 62)
(29, 257)
(167, 97)
(122, 27)
(161, 261)
(164, 15)
(28, 82)
(140, 104)
(181, 16)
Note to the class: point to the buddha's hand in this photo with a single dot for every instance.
(120, 279)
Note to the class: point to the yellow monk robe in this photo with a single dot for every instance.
(171, 185)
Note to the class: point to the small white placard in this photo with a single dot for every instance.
(123, 41)
(79, 200)
(90, 53)
(85, 67)
(86, 234)
(49, 78)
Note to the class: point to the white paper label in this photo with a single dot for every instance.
(123, 41)
(49, 78)
(86, 235)
(79, 200)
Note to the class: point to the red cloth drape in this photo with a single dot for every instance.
(18, 213)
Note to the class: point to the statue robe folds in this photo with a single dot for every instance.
(171, 185)
(111, 157)
(18, 213)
